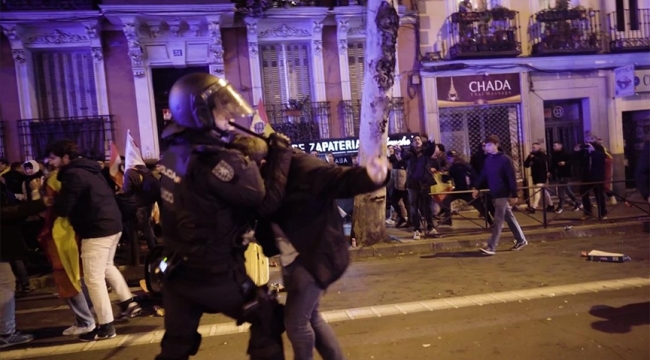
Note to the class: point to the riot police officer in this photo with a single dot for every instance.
(208, 192)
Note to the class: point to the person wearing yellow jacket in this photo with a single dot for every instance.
(61, 245)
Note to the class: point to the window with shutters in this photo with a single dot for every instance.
(286, 72)
(355, 64)
(65, 84)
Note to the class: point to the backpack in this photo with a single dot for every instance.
(150, 187)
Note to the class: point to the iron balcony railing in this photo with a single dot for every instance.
(311, 121)
(633, 34)
(565, 32)
(256, 8)
(48, 5)
(484, 34)
(92, 134)
(350, 117)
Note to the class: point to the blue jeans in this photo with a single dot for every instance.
(7, 300)
(81, 305)
(304, 325)
(503, 212)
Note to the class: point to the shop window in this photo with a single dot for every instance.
(465, 128)
(356, 66)
(286, 73)
(65, 84)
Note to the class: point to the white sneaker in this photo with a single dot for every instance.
(77, 330)
(612, 200)
(390, 222)
(416, 235)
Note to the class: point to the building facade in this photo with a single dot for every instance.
(537, 71)
(90, 70)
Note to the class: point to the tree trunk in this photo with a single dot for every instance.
(369, 216)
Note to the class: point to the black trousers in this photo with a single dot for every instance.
(190, 292)
(395, 197)
(599, 194)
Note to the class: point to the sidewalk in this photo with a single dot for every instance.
(469, 232)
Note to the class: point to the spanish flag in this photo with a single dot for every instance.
(260, 124)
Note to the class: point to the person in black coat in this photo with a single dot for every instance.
(591, 158)
(89, 203)
(308, 231)
(463, 176)
(560, 168)
(642, 173)
(14, 178)
(537, 161)
(12, 248)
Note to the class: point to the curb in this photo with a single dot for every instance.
(413, 247)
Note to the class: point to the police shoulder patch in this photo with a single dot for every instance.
(223, 171)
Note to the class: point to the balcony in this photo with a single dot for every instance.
(484, 34)
(565, 32)
(92, 134)
(48, 5)
(350, 114)
(256, 8)
(301, 121)
(629, 38)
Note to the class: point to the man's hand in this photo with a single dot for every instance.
(475, 193)
(513, 201)
(377, 169)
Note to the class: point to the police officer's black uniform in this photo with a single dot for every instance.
(209, 193)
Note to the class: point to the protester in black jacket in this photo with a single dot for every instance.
(308, 230)
(591, 158)
(463, 177)
(537, 161)
(12, 248)
(560, 171)
(14, 178)
(89, 203)
(499, 173)
(642, 175)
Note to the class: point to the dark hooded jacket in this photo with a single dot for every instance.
(87, 200)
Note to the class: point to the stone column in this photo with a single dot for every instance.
(92, 30)
(147, 123)
(216, 48)
(318, 72)
(254, 60)
(343, 24)
(24, 73)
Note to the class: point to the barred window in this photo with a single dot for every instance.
(65, 84)
(286, 72)
(465, 128)
(356, 64)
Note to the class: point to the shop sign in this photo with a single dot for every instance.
(348, 145)
(642, 80)
(478, 90)
(624, 81)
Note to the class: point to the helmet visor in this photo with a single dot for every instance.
(228, 103)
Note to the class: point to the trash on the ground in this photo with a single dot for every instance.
(426, 345)
(604, 256)
(548, 319)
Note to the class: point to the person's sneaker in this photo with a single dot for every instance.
(432, 231)
(101, 332)
(390, 222)
(400, 223)
(612, 200)
(78, 330)
(578, 208)
(604, 218)
(550, 208)
(14, 339)
(488, 251)
(519, 246)
(24, 288)
(559, 210)
(129, 309)
(416, 235)
(530, 209)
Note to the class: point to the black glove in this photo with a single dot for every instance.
(279, 141)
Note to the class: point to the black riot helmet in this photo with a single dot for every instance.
(194, 97)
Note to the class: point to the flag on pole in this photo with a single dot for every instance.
(132, 155)
(260, 123)
(114, 166)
